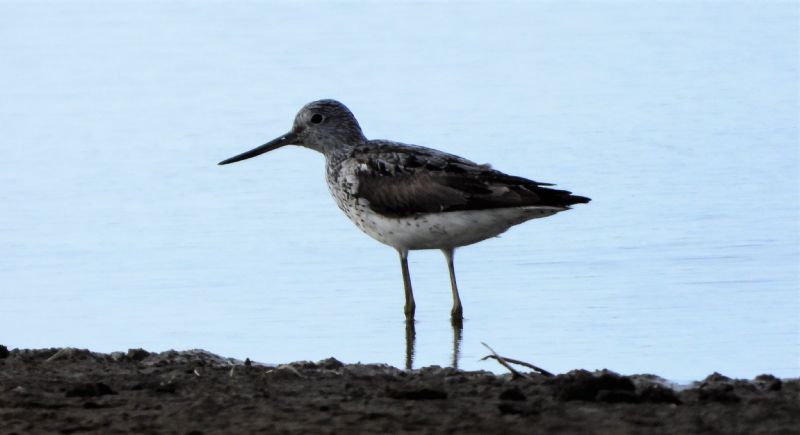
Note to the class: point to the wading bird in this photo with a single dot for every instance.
(411, 197)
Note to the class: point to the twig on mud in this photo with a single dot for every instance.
(58, 355)
(62, 353)
(505, 363)
(285, 369)
(541, 371)
(514, 373)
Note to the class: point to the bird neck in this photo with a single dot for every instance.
(335, 149)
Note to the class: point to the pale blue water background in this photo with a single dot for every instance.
(680, 120)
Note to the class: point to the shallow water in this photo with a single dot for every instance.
(678, 119)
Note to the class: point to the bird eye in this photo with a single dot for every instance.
(317, 118)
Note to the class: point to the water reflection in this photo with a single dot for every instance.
(458, 327)
(411, 338)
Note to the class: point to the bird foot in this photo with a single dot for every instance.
(457, 317)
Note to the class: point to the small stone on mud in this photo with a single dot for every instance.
(716, 377)
(137, 354)
(330, 364)
(769, 382)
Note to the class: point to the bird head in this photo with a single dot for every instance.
(323, 125)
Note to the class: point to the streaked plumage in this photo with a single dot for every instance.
(411, 197)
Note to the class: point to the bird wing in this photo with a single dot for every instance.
(400, 180)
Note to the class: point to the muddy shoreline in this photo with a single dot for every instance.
(196, 392)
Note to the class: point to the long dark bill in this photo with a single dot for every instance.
(286, 139)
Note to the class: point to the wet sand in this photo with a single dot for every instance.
(196, 392)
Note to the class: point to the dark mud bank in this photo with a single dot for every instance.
(78, 391)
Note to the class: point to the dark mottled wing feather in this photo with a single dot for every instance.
(398, 180)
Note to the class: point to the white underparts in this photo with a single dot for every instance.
(445, 230)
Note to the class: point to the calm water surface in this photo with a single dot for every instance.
(118, 230)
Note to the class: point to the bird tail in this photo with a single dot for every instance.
(577, 199)
(559, 198)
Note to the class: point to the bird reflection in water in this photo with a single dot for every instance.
(411, 337)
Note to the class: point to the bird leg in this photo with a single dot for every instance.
(410, 305)
(456, 314)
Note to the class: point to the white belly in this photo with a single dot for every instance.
(444, 230)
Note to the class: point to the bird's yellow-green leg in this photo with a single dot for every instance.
(410, 305)
(457, 313)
